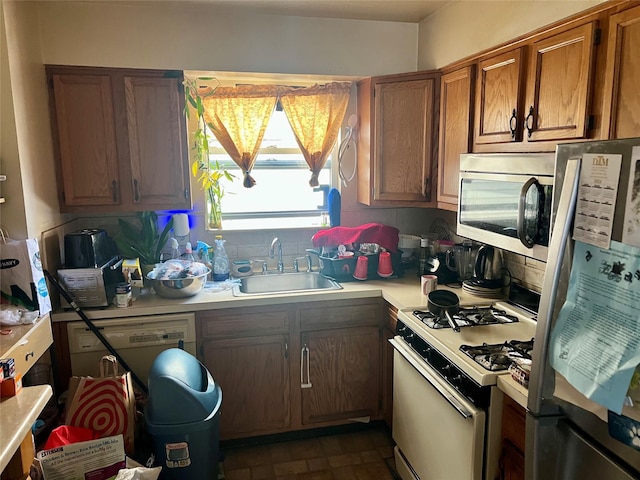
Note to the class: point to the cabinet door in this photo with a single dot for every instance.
(511, 462)
(253, 373)
(340, 374)
(84, 126)
(499, 97)
(397, 140)
(621, 111)
(559, 86)
(455, 124)
(404, 142)
(157, 142)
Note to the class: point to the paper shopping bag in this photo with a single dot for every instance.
(21, 277)
(105, 404)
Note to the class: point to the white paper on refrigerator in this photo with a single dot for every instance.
(631, 231)
(597, 193)
(595, 342)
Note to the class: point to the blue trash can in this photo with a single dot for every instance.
(182, 416)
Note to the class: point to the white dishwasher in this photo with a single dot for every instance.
(138, 340)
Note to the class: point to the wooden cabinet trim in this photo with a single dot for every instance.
(214, 324)
(337, 317)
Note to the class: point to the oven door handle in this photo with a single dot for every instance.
(428, 376)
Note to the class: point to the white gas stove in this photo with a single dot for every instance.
(512, 324)
(445, 398)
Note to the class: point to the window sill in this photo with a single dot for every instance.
(272, 223)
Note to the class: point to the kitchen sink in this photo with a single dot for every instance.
(284, 283)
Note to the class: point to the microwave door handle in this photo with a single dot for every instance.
(527, 242)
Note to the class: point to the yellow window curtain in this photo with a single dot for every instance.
(315, 114)
(238, 117)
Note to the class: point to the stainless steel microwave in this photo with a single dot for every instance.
(505, 200)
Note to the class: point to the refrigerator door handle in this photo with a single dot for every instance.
(560, 238)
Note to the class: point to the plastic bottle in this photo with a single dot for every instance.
(188, 253)
(203, 250)
(424, 256)
(175, 254)
(220, 261)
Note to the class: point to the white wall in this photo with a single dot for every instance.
(27, 158)
(201, 36)
(463, 28)
(12, 216)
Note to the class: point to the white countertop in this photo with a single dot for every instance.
(402, 292)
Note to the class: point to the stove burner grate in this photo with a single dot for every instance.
(467, 317)
(499, 356)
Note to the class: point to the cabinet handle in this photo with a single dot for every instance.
(114, 190)
(513, 123)
(426, 189)
(30, 354)
(286, 349)
(136, 195)
(526, 122)
(304, 353)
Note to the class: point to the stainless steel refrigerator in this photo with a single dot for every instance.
(566, 435)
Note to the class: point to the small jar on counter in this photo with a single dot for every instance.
(123, 295)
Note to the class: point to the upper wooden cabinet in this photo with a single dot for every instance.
(534, 96)
(397, 139)
(500, 96)
(120, 139)
(456, 102)
(559, 86)
(621, 109)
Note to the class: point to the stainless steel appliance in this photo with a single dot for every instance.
(488, 270)
(88, 248)
(446, 406)
(92, 286)
(505, 201)
(565, 437)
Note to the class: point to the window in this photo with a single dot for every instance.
(282, 176)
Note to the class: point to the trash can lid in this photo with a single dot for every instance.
(181, 389)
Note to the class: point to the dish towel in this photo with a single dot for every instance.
(385, 236)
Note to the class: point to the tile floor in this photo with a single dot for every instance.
(365, 454)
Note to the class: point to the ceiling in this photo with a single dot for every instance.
(412, 11)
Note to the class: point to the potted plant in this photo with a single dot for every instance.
(208, 174)
(145, 241)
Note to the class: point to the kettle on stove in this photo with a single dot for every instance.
(488, 269)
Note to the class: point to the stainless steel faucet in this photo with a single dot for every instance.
(275, 241)
(296, 265)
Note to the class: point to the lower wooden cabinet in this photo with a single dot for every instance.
(342, 370)
(286, 368)
(513, 441)
(253, 373)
